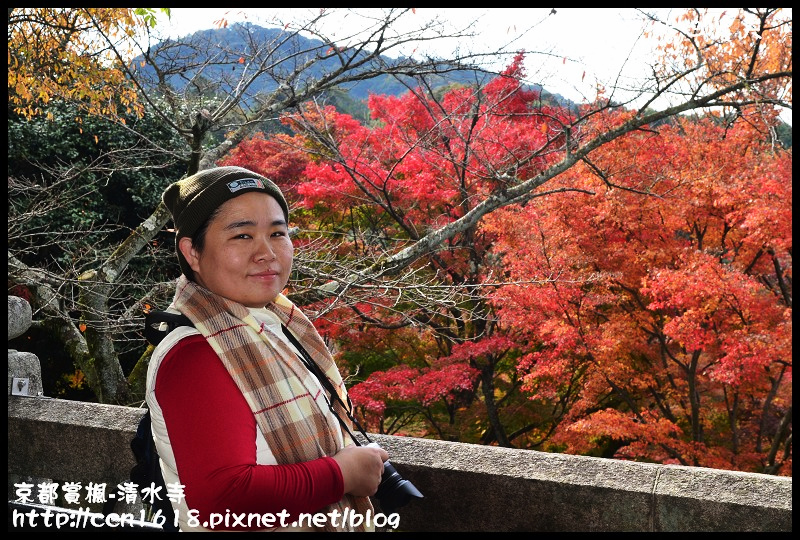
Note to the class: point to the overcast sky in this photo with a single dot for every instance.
(570, 50)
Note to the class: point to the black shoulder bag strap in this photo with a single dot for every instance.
(157, 324)
(153, 321)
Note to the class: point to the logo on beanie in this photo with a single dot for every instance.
(245, 183)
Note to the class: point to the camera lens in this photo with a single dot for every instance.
(394, 491)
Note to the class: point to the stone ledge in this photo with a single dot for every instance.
(82, 442)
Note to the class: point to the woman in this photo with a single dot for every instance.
(239, 420)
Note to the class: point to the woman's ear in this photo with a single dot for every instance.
(189, 252)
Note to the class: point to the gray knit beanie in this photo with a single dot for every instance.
(192, 200)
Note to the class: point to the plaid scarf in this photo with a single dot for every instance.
(280, 390)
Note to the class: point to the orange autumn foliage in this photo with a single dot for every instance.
(670, 306)
(72, 54)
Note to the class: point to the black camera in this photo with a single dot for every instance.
(394, 491)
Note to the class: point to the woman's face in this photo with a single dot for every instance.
(247, 253)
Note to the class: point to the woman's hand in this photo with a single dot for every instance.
(362, 468)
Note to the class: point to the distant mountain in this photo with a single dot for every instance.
(205, 53)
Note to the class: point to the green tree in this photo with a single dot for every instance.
(75, 191)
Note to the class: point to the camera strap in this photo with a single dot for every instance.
(328, 386)
(393, 491)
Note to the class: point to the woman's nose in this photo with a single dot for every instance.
(264, 251)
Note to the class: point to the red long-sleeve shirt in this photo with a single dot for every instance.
(213, 437)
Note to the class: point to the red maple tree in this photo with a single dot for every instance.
(370, 190)
(669, 327)
(640, 308)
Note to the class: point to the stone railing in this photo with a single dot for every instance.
(466, 487)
